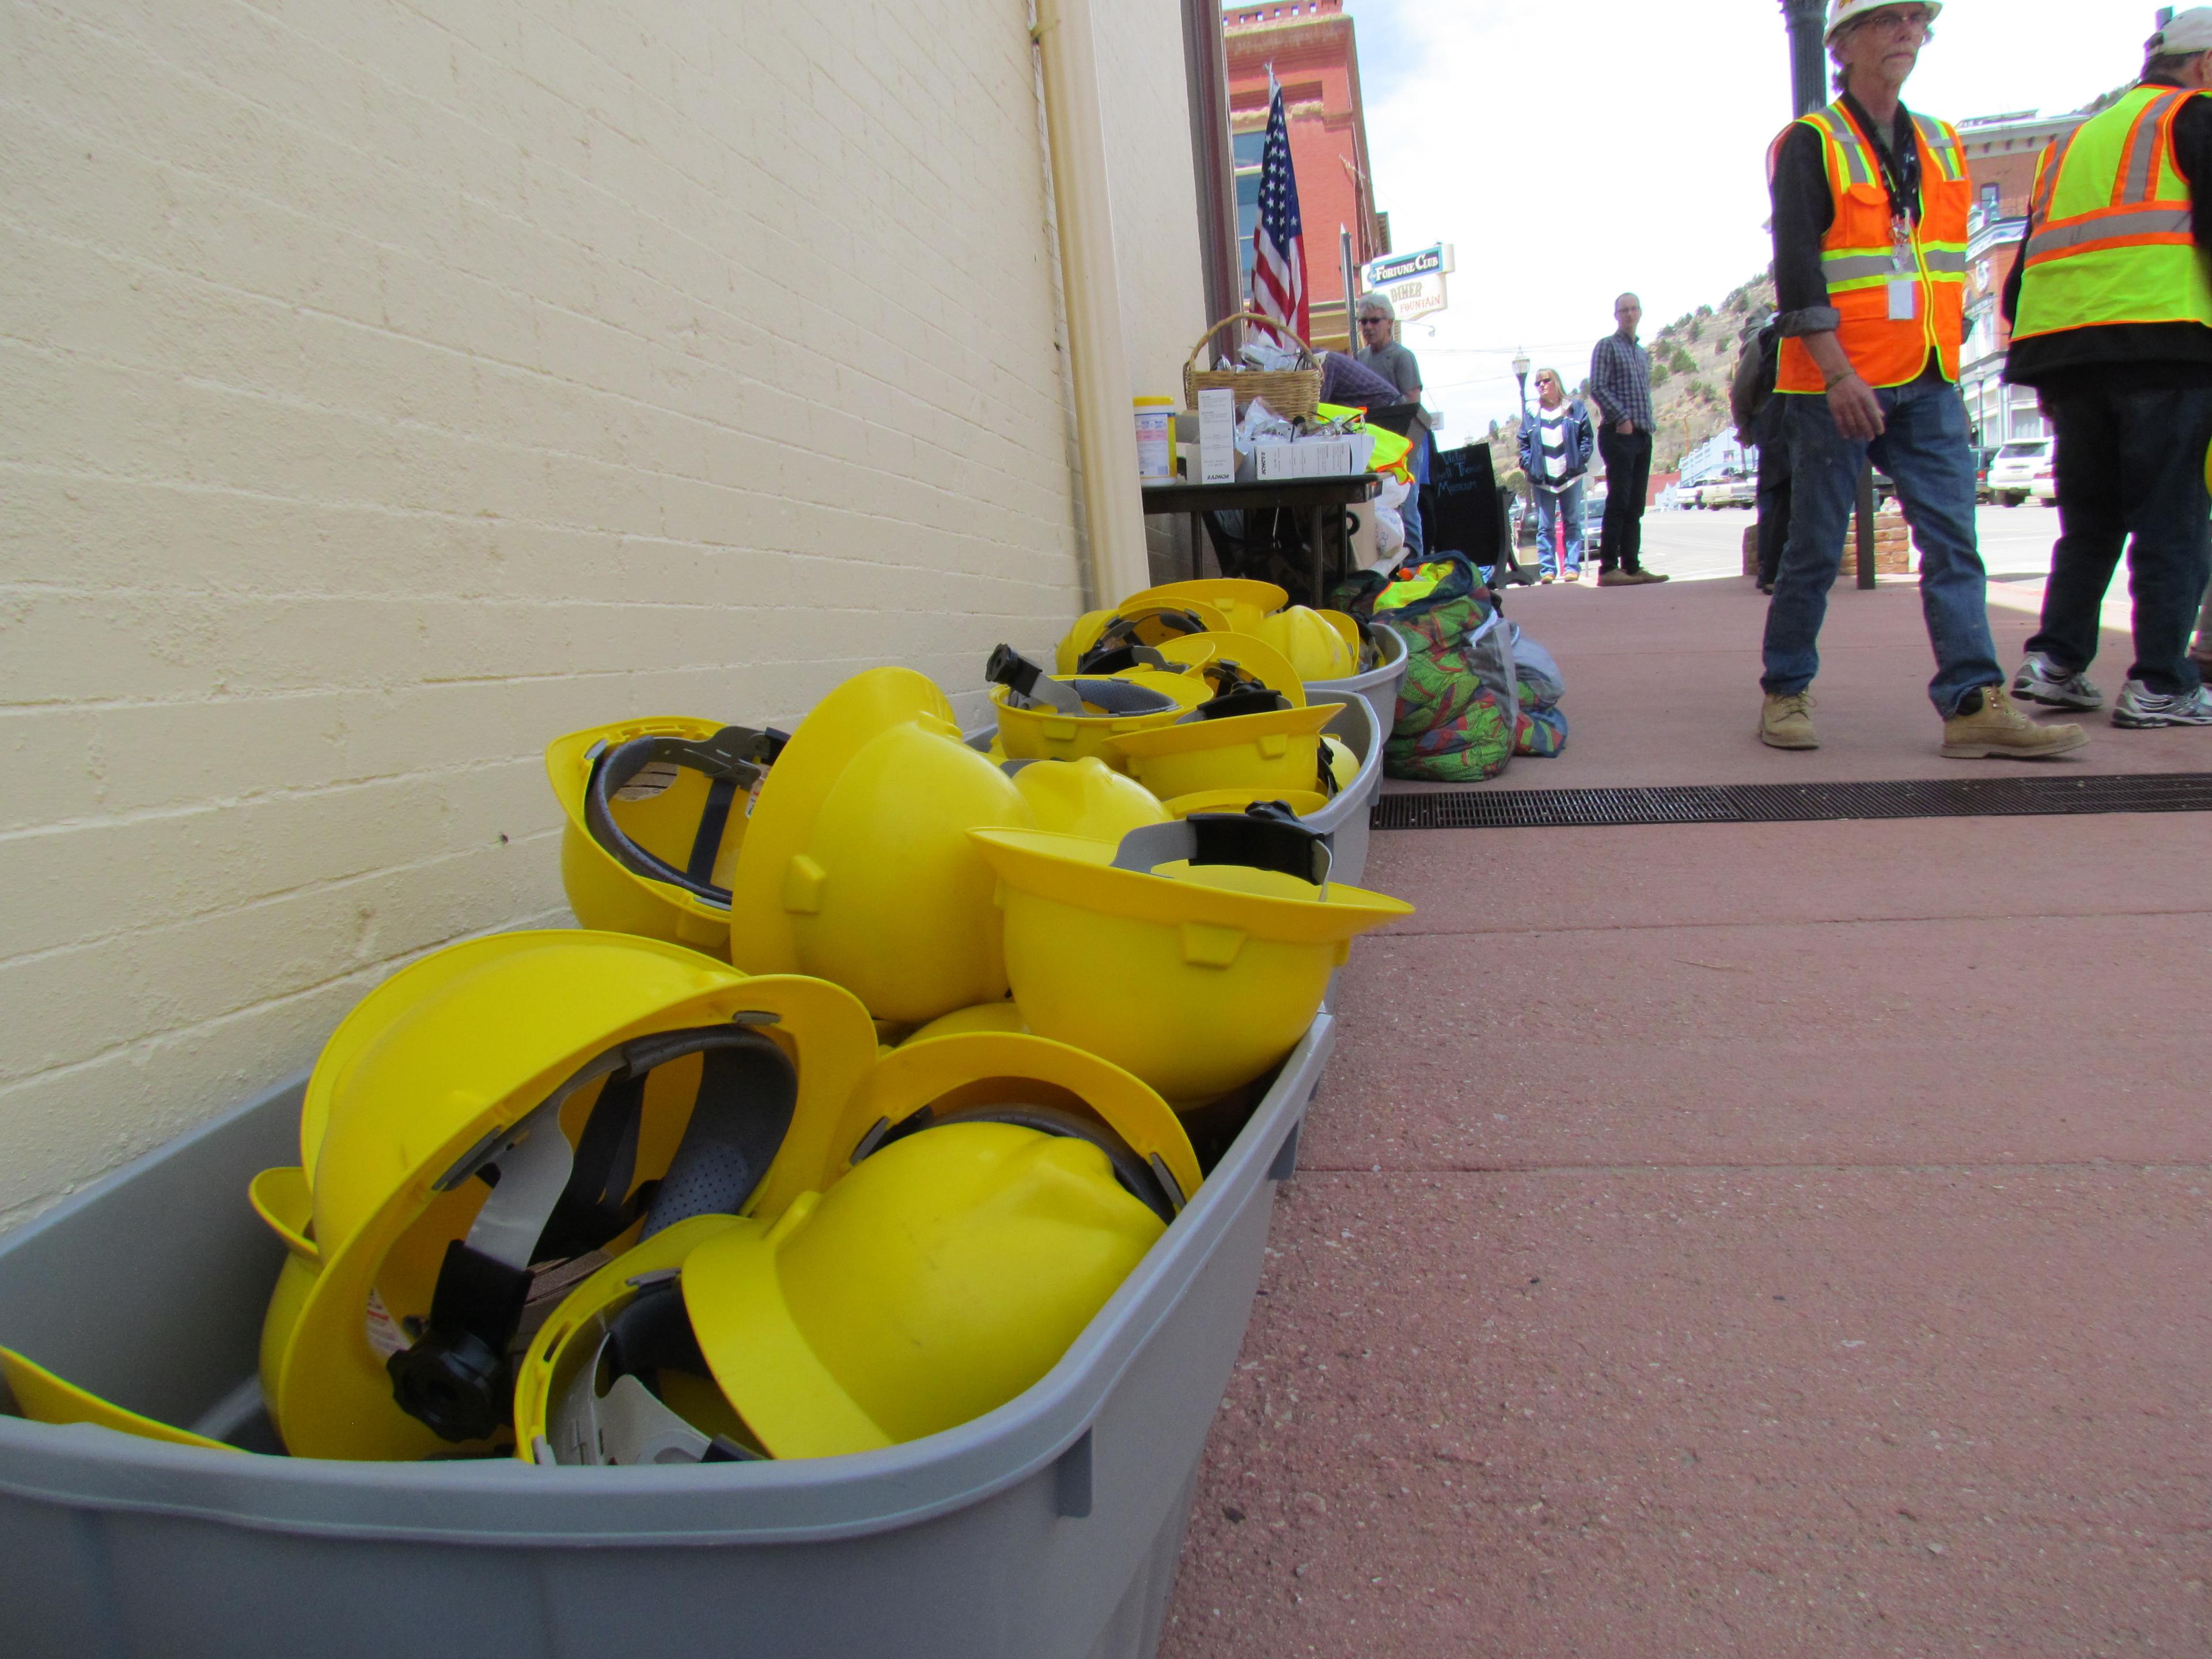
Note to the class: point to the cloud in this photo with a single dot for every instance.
(1571, 151)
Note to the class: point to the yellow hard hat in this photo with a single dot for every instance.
(1044, 718)
(946, 1274)
(1343, 765)
(1085, 798)
(856, 867)
(1269, 749)
(1238, 660)
(660, 1406)
(1152, 623)
(651, 838)
(506, 1104)
(1241, 601)
(1012, 1076)
(1194, 956)
(1310, 642)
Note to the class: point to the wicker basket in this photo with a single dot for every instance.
(1292, 394)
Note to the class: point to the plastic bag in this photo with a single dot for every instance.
(1389, 523)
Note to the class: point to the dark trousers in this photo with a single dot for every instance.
(1774, 492)
(2130, 464)
(1627, 483)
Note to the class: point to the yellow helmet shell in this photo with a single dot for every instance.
(856, 867)
(1304, 802)
(1194, 978)
(1086, 797)
(1266, 753)
(940, 1278)
(605, 894)
(1244, 602)
(1316, 650)
(445, 1053)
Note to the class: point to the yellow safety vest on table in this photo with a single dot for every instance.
(2114, 240)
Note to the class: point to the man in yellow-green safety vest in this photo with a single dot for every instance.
(2111, 302)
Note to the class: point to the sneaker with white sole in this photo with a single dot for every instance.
(2139, 708)
(2039, 681)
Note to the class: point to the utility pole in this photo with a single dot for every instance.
(1808, 86)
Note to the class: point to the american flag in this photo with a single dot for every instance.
(1278, 239)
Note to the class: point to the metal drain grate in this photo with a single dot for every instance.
(1797, 803)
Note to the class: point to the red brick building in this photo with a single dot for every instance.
(1310, 43)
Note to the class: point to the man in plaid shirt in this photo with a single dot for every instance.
(1620, 381)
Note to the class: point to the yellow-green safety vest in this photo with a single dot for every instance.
(2114, 235)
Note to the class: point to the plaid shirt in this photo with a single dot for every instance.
(1620, 380)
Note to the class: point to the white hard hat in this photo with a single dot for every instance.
(1844, 13)
(2191, 32)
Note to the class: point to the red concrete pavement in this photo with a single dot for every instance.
(1762, 1240)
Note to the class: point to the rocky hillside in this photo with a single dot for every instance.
(1693, 361)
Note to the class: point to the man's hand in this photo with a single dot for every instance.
(1857, 411)
(1851, 399)
(1626, 428)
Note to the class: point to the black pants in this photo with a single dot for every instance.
(2130, 463)
(1773, 494)
(1627, 482)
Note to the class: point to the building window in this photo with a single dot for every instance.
(1249, 148)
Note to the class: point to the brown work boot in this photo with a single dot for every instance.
(1786, 722)
(1989, 726)
(1652, 576)
(1611, 578)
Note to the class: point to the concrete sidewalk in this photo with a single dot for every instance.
(1744, 1240)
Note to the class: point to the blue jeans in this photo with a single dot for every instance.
(2131, 462)
(1550, 509)
(1926, 449)
(1411, 512)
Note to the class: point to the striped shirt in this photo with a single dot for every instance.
(1620, 380)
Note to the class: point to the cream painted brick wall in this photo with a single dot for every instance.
(386, 388)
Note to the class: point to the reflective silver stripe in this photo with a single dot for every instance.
(2142, 150)
(2054, 158)
(2146, 222)
(1839, 132)
(1952, 263)
(1856, 267)
(1939, 144)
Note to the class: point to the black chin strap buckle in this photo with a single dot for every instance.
(1267, 835)
(1028, 685)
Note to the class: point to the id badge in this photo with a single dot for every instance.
(1903, 300)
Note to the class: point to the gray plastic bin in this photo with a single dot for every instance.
(1049, 1529)
(1380, 683)
(1344, 819)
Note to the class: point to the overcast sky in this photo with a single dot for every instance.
(1574, 149)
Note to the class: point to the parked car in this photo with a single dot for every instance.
(1593, 521)
(2023, 468)
(1983, 455)
(1732, 491)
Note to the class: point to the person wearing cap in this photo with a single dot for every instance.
(1380, 354)
(1870, 209)
(2111, 303)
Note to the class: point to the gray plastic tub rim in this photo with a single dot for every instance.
(470, 1502)
(1389, 673)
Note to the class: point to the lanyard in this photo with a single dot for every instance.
(1900, 175)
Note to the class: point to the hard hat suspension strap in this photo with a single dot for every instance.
(1265, 835)
(1147, 1180)
(628, 1424)
(549, 1204)
(735, 757)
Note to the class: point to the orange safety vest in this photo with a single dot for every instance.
(1859, 257)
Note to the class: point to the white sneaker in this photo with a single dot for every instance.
(2038, 681)
(2139, 708)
